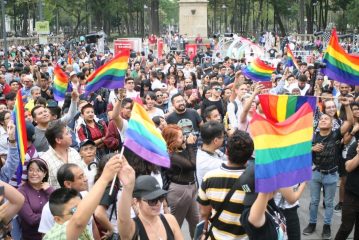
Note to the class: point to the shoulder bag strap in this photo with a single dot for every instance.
(235, 186)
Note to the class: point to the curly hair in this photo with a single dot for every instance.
(239, 147)
(170, 134)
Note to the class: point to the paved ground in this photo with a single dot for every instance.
(304, 217)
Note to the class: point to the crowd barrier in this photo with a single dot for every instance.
(20, 41)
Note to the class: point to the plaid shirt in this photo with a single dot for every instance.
(58, 232)
(54, 162)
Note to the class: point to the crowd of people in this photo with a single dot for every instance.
(203, 110)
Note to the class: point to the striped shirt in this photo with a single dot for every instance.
(215, 186)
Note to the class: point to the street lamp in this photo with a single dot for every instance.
(4, 32)
(224, 7)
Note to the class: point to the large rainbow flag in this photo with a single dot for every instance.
(258, 71)
(144, 139)
(291, 61)
(20, 132)
(61, 83)
(340, 65)
(111, 75)
(278, 108)
(284, 148)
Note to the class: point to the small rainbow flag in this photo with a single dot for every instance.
(340, 65)
(283, 149)
(278, 108)
(144, 139)
(61, 83)
(258, 71)
(20, 132)
(111, 75)
(291, 61)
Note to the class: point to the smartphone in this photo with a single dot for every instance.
(267, 84)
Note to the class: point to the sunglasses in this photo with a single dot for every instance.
(218, 89)
(154, 202)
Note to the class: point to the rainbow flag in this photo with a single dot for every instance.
(291, 61)
(61, 83)
(278, 108)
(20, 132)
(144, 139)
(340, 65)
(111, 75)
(283, 149)
(258, 71)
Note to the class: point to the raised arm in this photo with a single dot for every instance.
(257, 213)
(292, 195)
(15, 202)
(248, 103)
(87, 206)
(126, 226)
(349, 114)
(73, 107)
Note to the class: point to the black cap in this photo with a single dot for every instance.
(147, 188)
(246, 181)
(87, 142)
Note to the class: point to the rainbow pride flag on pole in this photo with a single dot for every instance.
(111, 75)
(20, 132)
(340, 65)
(144, 139)
(291, 61)
(283, 149)
(258, 71)
(61, 83)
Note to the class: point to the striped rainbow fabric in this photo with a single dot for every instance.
(283, 149)
(18, 115)
(278, 108)
(291, 61)
(144, 139)
(111, 75)
(61, 83)
(340, 65)
(258, 71)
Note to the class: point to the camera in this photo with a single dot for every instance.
(318, 65)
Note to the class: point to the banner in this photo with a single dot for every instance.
(159, 48)
(191, 50)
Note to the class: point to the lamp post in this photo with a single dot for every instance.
(4, 32)
(145, 9)
(224, 7)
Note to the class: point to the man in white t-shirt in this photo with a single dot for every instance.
(155, 83)
(209, 156)
(69, 176)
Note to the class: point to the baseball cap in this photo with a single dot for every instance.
(147, 188)
(87, 142)
(246, 181)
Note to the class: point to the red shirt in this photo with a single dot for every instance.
(94, 132)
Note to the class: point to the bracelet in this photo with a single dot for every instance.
(11, 140)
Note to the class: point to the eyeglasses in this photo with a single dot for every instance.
(154, 202)
(218, 89)
(72, 211)
(159, 95)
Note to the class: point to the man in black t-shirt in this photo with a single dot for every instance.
(350, 207)
(188, 119)
(261, 218)
(326, 153)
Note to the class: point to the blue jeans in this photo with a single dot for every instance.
(329, 183)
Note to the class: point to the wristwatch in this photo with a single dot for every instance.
(11, 140)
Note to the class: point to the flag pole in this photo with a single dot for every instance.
(114, 177)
